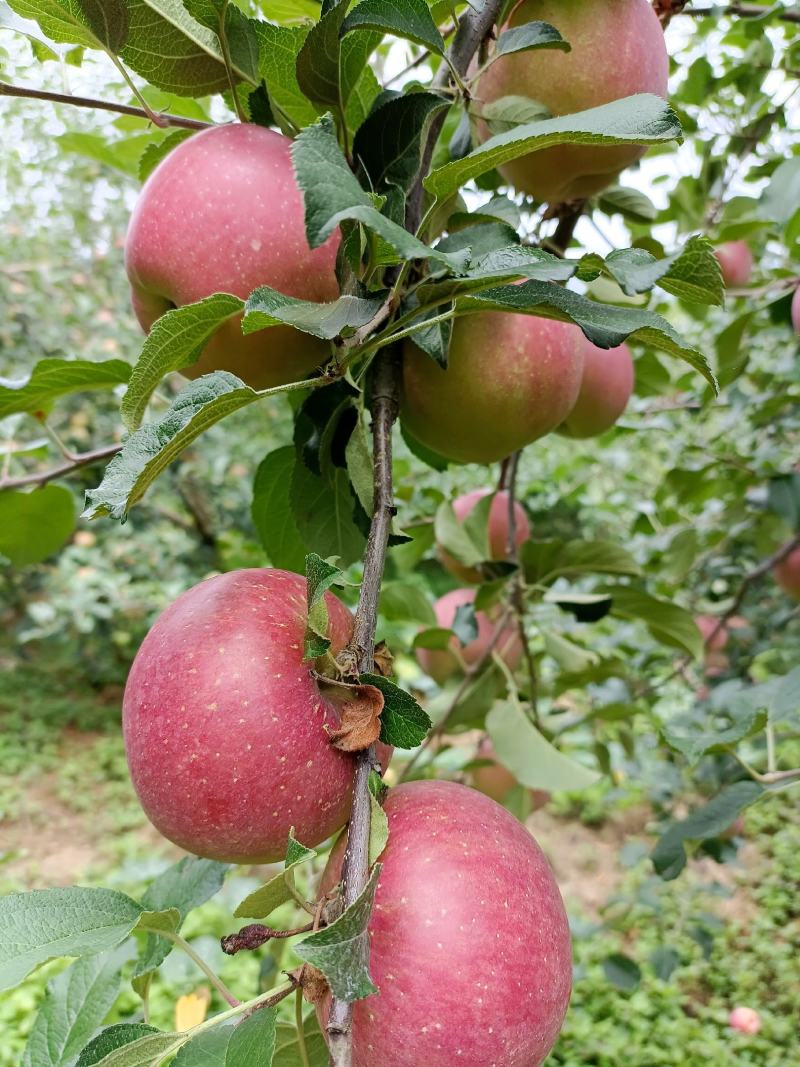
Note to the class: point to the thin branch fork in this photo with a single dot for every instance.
(749, 579)
(742, 11)
(82, 459)
(6, 89)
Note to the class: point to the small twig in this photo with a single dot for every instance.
(753, 576)
(359, 658)
(742, 11)
(469, 676)
(215, 980)
(84, 459)
(7, 89)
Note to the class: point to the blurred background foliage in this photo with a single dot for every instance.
(699, 490)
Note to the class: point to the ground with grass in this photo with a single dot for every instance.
(658, 965)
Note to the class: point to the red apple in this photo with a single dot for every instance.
(707, 624)
(796, 310)
(497, 530)
(736, 262)
(470, 945)
(745, 1020)
(224, 722)
(223, 213)
(617, 50)
(441, 664)
(606, 388)
(510, 380)
(787, 574)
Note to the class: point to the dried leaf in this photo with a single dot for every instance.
(384, 660)
(314, 983)
(361, 707)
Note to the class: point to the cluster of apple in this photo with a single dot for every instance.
(227, 726)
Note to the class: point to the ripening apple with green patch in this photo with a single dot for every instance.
(510, 380)
(617, 49)
(223, 213)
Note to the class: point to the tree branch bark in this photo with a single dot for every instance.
(43, 477)
(473, 27)
(7, 89)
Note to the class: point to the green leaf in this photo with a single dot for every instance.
(35, 525)
(209, 1048)
(341, 950)
(641, 119)
(529, 756)
(318, 60)
(176, 53)
(404, 723)
(120, 154)
(669, 623)
(52, 378)
(286, 1047)
(693, 273)
(629, 203)
(332, 194)
(320, 576)
(151, 448)
(280, 47)
(75, 1005)
(388, 144)
(338, 318)
(605, 325)
(158, 150)
(570, 657)
(184, 886)
(669, 855)
(271, 510)
(695, 737)
(456, 537)
(409, 19)
(358, 457)
(113, 1038)
(253, 1040)
(175, 341)
(544, 561)
(529, 36)
(129, 1050)
(84, 22)
(47, 923)
(622, 971)
(402, 601)
(323, 512)
(378, 830)
(278, 890)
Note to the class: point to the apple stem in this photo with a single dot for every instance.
(6, 89)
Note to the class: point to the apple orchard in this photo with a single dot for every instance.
(386, 225)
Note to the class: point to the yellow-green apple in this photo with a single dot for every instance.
(498, 530)
(735, 261)
(617, 50)
(606, 388)
(469, 940)
(225, 723)
(510, 380)
(441, 664)
(223, 213)
(787, 574)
